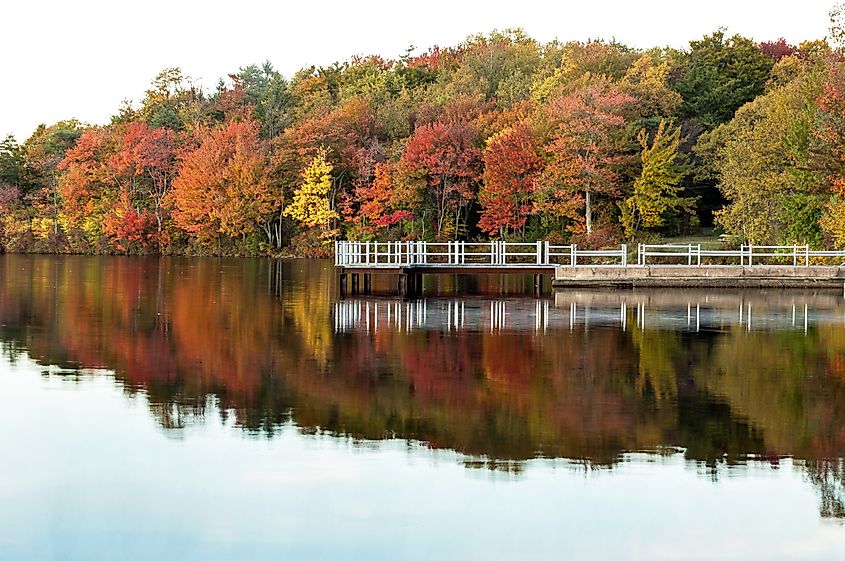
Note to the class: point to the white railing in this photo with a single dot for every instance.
(545, 254)
(745, 256)
(489, 254)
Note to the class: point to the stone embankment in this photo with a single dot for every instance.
(710, 276)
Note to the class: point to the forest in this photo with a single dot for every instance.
(499, 137)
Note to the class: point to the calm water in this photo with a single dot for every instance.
(238, 410)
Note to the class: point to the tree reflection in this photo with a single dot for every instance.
(828, 476)
(254, 341)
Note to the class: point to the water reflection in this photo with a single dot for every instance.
(676, 310)
(590, 376)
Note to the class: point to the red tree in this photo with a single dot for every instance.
(584, 149)
(148, 159)
(831, 131)
(511, 167)
(447, 158)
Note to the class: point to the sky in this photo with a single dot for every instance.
(94, 476)
(83, 58)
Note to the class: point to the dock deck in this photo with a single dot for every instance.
(651, 265)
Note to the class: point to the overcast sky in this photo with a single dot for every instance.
(81, 58)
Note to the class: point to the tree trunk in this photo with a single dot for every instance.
(588, 213)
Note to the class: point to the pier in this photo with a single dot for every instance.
(666, 265)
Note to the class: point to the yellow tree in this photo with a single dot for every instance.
(310, 205)
(656, 189)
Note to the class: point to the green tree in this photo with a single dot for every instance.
(718, 75)
(15, 170)
(172, 100)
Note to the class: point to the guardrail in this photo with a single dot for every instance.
(745, 256)
(544, 254)
(490, 254)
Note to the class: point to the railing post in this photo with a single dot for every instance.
(689, 255)
(463, 252)
(807, 255)
(750, 254)
(624, 256)
(794, 255)
(546, 253)
(574, 255)
(539, 253)
(640, 255)
(699, 255)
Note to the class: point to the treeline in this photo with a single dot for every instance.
(499, 137)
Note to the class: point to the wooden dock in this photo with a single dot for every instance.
(676, 265)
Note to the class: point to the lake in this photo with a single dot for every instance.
(170, 408)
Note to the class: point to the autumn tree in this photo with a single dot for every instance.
(446, 157)
(763, 162)
(778, 49)
(310, 205)
(45, 148)
(87, 188)
(381, 202)
(511, 169)
(648, 82)
(829, 156)
(148, 157)
(656, 190)
(223, 187)
(584, 149)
